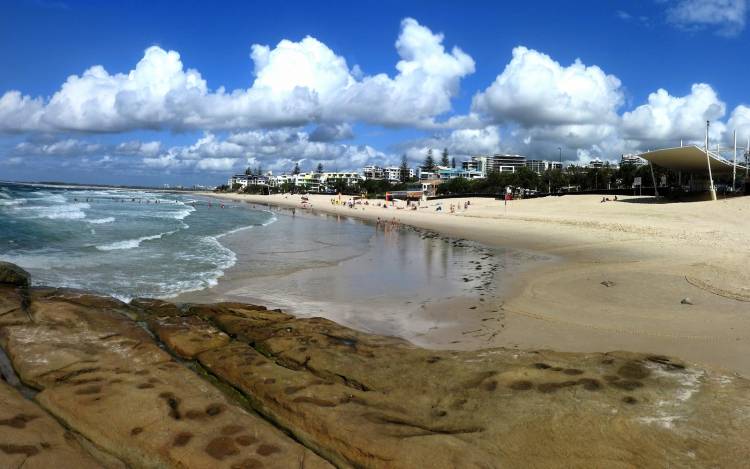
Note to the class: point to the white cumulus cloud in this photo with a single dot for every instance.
(536, 90)
(296, 83)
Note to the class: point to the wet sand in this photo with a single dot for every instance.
(432, 290)
(625, 269)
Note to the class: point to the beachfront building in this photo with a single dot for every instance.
(372, 172)
(635, 160)
(596, 163)
(349, 178)
(446, 174)
(540, 166)
(238, 179)
(476, 163)
(505, 163)
(393, 173)
(389, 173)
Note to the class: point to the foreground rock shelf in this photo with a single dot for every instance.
(153, 384)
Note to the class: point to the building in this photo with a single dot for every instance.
(393, 173)
(349, 178)
(389, 173)
(446, 174)
(632, 159)
(540, 166)
(496, 163)
(240, 179)
(372, 172)
(429, 187)
(596, 163)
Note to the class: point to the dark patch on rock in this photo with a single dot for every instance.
(590, 384)
(608, 361)
(93, 389)
(665, 362)
(18, 421)
(630, 400)
(214, 410)
(490, 385)
(182, 439)
(269, 381)
(136, 431)
(265, 449)
(145, 386)
(433, 359)
(521, 385)
(221, 447)
(173, 403)
(231, 430)
(547, 388)
(627, 384)
(542, 366)
(75, 373)
(572, 371)
(293, 389)
(633, 370)
(28, 450)
(314, 401)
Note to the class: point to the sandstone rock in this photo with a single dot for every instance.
(371, 401)
(105, 378)
(188, 336)
(29, 437)
(11, 274)
(153, 307)
(357, 399)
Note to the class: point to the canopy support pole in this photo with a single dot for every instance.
(734, 163)
(653, 178)
(711, 188)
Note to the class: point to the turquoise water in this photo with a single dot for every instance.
(120, 242)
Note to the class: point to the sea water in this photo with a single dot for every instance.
(125, 243)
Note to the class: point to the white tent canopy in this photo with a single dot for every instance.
(690, 159)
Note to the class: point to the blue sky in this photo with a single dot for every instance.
(145, 106)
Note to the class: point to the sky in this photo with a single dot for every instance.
(154, 93)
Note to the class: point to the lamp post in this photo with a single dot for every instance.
(711, 188)
(560, 150)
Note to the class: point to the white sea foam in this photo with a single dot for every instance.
(132, 243)
(101, 221)
(74, 211)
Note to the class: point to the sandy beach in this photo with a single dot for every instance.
(669, 278)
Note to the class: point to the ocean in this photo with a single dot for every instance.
(121, 242)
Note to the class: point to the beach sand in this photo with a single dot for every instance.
(628, 269)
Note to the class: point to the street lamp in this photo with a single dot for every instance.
(560, 150)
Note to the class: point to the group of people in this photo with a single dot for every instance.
(607, 199)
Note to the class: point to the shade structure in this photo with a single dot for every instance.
(689, 159)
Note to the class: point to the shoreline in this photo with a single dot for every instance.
(441, 296)
(627, 270)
